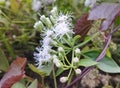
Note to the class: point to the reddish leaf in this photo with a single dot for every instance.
(14, 74)
(82, 26)
(107, 12)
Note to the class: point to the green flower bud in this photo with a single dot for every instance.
(39, 26)
(54, 12)
(46, 21)
(53, 20)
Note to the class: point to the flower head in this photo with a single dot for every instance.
(56, 61)
(75, 59)
(63, 79)
(78, 71)
(42, 55)
(77, 51)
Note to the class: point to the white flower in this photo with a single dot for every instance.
(77, 50)
(78, 71)
(46, 41)
(49, 33)
(90, 3)
(62, 25)
(61, 29)
(63, 79)
(75, 59)
(42, 55)
(36, 5)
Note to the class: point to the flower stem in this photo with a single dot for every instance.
(54, 77)
(43, 82)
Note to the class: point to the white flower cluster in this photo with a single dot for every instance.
(55, 27)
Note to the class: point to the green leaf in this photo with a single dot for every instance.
(87, 62)
(47, 68)
(3, 61)
(117, 21)
(34, 69)
(59, 71)
(18, 85)
(76, 38)
(107, 64)
(34, 84)
(44, 70)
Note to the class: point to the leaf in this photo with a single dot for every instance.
(14, 74)
(87, 62)
(3, 61)
(82, 26)
(47, 68)
(34, 84)
(18, 85)
(107, 64)
(76, 38)
(117, 21)
(59, 71)
(107, 12)
(34, 69)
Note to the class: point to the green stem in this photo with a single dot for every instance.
(43, 85)
(7, 45)
(4, 15)
(67, 60)
(54, 77)
(72, 65)
(81, 44)
(21, 22)
(70, 78)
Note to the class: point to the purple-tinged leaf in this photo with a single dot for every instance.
(82, 25)
(107, 12)
(14, 74)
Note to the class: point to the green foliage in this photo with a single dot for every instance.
(107, 64)
(44, 70)
(87, 62)
(18, 85)
(3, 61)
(34, 84)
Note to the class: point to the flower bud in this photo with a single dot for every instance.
(75, 59)
(53, 43)
(56, 61)
(46, 21)
(63, 79)
(53, 20)
(39, 25)
(58, 64)
(78, 71)
(54, 12)
(77, 51)
(60, 49)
